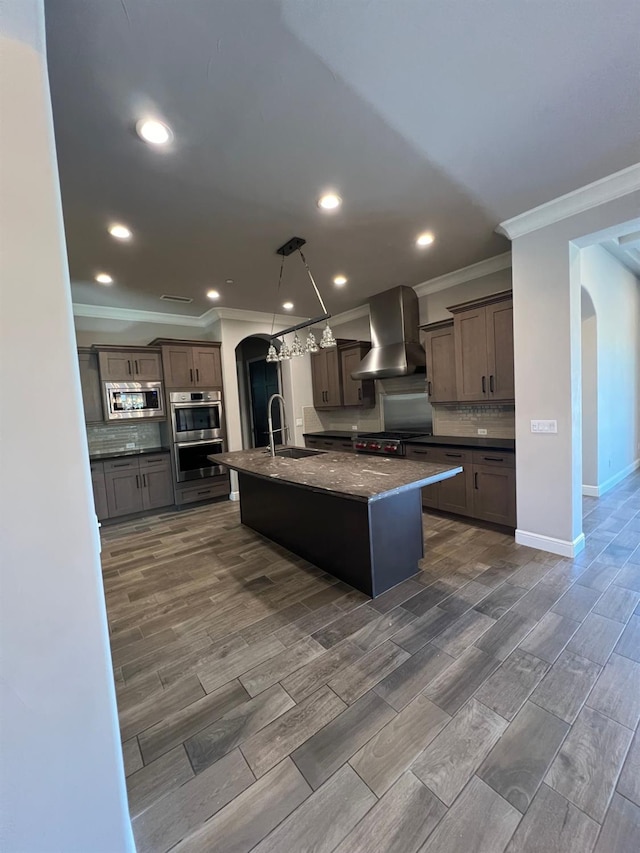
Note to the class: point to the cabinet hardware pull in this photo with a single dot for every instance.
(475, 480)
(484, 385)
(454, 455)
(491, 383)
(144, 480)
(136, 364)
(429, 387)
(197, 375)
(206, 492)
(121, 464)
(420, 452)
(494, 458)
(191, 374)
(129, 367)
(359, 393)
(137, 481)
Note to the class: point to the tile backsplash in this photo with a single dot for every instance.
(369, 420)
(465, 420)
(113, 437)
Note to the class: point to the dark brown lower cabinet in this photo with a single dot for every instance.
(494, 494)
(486, 488)
(99, 490)
(134, 485)
(335, 444)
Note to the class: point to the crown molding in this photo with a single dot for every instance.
(135, 315)
(451, 279)
(248, 316)
(348, 316)
(599, 192)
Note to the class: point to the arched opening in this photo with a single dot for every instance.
(589, 332)
(257, 381)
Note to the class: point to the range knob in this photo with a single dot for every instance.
(391, 448)
(373, 446)
(360, 445)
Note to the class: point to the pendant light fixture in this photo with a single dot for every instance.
(297, 349)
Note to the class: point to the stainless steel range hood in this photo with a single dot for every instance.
(395, 342)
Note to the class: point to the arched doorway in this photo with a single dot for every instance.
(257, 381)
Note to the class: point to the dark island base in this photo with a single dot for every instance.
(372, 546)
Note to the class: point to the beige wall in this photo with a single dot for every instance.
(547, 332)
(433, 306)
(96, 330)
(61, 771)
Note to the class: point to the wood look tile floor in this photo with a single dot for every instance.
(489, 704)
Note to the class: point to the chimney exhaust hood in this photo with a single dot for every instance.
(395, 341)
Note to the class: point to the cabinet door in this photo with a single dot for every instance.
(494, 494)
(456, 493)
(99, 491)
(116, 366)
(355, 392)
(207, 367)
(178, 367)
(157, 486)
(425, 454)
(124, 492)
(319, 380)
(334, 377)
(500, 350)
(91, 388)
(472, 374)
(441, 365)
(147, 366)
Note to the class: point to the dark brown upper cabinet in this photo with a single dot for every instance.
(186, 365)
(129, 365)
(439, 344)
(483, 337)
(355, 392)
(90, 385)
(331, 380)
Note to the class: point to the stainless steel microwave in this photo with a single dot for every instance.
(124, 400)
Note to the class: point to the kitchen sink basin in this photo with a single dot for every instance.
(297, 452)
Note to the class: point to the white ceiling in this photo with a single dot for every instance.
(446, 115)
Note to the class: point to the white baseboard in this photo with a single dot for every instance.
(234, 496)
(563, 547)
(598, 491)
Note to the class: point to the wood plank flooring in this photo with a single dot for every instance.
(490, 703)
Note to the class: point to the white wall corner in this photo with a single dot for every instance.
(451, 279)
(584, 198)
(563, 547)
(234, 496)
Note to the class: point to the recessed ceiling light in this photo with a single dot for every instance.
(329, 201)
(154, 131)
(213, 294)
(228, 281)
(339, 280)
(103, 278)
(425, 239)
(120, 232)
(288, 306)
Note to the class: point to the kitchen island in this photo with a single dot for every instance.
(357, 517)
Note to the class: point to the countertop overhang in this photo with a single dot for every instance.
(359, 478)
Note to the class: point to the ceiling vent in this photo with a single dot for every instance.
(184, 299)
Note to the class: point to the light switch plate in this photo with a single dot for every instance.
(482, 432)
(130, 445)
(298, 421)
(547, 427)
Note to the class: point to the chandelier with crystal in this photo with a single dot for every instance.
(296, 348)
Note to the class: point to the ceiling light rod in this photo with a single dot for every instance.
(295, 244)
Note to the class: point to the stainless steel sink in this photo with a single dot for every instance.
(297, 452)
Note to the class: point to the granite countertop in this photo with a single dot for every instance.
(360, 478)
(481, 442)
(97, 456)
(332, 433)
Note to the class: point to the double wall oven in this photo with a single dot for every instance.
(197, 427)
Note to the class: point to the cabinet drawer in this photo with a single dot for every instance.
(203, 492)
(421, 454)
(155, 460)
(452, 456)
(121, 465)
(345, 446)
(312, 442)
(494, 457)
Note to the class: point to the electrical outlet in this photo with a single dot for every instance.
(354, 427)
(130, 445)
(482, 432)
(298, 421)
(544, 426)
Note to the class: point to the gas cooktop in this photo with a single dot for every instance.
(386, 442)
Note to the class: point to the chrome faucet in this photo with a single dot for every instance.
(283, 429)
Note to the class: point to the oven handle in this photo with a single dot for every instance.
(196, 443)
(196, 404)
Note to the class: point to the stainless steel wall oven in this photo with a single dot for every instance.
(197, 427)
